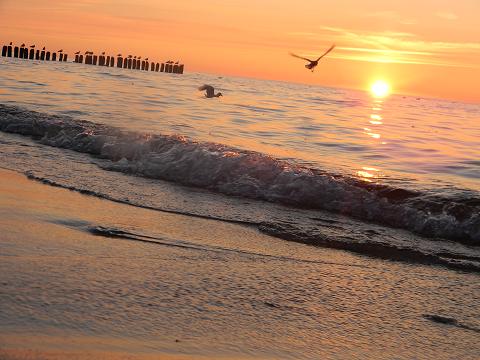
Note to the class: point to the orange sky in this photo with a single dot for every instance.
(421, 47)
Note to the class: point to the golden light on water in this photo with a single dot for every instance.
(380, 88)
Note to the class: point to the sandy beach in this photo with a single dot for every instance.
(175, 287)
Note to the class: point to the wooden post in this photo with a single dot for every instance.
(76, 58)
(80, 59)
(157, 67)
(112, 61)
(42, 55)
(146, 65)
(180, 69)
(175, 69)
(107, 62)
(32, 54)
(4, 50)
(143, 65)
(20, 54)
(60, 57)
(65, 56)
(119, 62)
(125, 63)
(25, 53)
(54, 56)
(129, 63)
(162, 67)
(138, 65)
(9, 51)
(152, 68)
(94, 61)
(15, 52)
(101, 60)
(134, 64)
(47, 56)
(37, 55)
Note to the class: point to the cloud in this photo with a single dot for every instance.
(396, 47)
(447, 15)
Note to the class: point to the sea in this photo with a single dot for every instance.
(394, 178)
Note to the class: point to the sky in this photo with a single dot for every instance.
(424, 47)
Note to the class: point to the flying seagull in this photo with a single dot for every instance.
(210, 91)
(313, 63)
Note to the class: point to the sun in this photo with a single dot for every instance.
(380, 88)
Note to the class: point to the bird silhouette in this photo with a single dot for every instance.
(210, 91)
(129, 56)
(119, 54)
(103, 53)
(43, 48)
(11, 43)
(146, 59)
(23, 45)
(176, 63)
(313, 63)
(32, 46)
(78, 52)
(139, 57)
(61, 50)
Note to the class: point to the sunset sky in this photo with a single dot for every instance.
(428, 47)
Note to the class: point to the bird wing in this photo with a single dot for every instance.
(326, 52)
(300, 57)
(206, 87)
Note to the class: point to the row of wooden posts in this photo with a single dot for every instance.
(129, 63)
(23, 52)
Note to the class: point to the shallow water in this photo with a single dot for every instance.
(81, 273)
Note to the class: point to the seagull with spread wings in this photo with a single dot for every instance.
(210, 91)
(313, 63)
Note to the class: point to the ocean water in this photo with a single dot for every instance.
(396, 178)
(287, 171)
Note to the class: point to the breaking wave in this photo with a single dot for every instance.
(244, 173)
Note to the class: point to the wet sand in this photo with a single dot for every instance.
(86, 278)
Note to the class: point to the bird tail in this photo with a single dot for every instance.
(203, 87)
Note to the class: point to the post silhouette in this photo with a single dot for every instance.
(76, 58)
(101, 60)
(180, 69)
(175, 69)
(15, 52)
(54, 56)
(129, 63)
(65, 56)
(9, 51)
(20, 54)
(4, 50)
(80, 59)
(146, 65)
(107, 62)
(42, 55)
(162, 67)
(138, 65)
(152, 68)
(60, 57)
(25, 53)
(125, 63)
(112, 61)
(119, 62)
(94, 60)
(157, 67)
(37, 55)
(47, 56)
(32, 54)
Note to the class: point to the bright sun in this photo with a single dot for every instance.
(380, 88)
